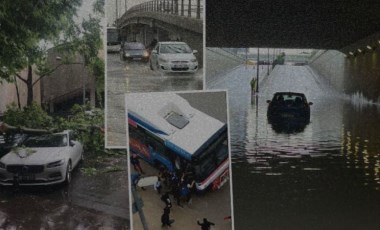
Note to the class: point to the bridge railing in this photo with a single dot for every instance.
(185, 8)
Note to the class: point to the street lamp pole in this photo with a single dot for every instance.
(257, 72)
(268, 62)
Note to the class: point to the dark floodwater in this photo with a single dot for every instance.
(89, 202)
(325, 175)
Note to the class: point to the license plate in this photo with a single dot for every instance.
(179, 66)
(26, 177)
(136, 59)
(287, 115)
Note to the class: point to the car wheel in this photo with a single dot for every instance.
(68, 173)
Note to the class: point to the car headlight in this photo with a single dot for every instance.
(127, 54)
(145, 54)
(193, 60)
(2, 165)
(163, 60)
(55, 164)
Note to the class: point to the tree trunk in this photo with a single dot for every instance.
(18, 93)
(29, 83)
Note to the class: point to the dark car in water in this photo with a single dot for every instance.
(288, 107)
(134, 51)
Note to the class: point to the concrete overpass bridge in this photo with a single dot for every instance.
(165, 20)
(347, 33)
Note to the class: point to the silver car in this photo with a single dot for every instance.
(173, 57)
(42, 160)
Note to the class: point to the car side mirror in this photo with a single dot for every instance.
(310, 103)
(71, 143)
(195, 51)
(268, 101)
(154, 51)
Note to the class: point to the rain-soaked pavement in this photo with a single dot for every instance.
(325, 175)
(140, 78)
(90, 202)
(125, 77)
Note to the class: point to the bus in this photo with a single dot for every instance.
(113, 40)
(165, 130)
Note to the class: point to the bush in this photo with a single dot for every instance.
(32, 117)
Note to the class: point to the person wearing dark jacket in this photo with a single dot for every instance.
(165, 218)
(206, 225)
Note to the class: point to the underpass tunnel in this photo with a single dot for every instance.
(353, 71)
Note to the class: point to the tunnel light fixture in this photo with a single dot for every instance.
(369, 47)
(359, 50)
(351, 53)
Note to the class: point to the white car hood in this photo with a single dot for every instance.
(35, 156)
(178, 57)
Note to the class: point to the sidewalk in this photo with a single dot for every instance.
(214, 206)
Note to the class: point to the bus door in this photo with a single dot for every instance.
(160, 158)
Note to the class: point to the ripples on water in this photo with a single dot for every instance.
(329, 169)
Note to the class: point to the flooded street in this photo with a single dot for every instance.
(323, 175)
(89, 202)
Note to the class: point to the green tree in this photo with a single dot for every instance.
(26, 25)
(86, 39)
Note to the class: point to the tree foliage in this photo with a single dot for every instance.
(32, 117)
(24, 24)
(88, 125)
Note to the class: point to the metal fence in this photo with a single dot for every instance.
(185, 8)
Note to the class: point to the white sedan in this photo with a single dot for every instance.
(42, 160)
(173, 57)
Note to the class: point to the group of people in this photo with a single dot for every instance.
(179, 183)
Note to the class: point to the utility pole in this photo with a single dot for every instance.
(246, 58)
(268, 62)
(258, 65)
(117, 12)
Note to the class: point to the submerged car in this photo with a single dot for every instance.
(289, 107)
(134, 51)
(173, 57)
(42, 160)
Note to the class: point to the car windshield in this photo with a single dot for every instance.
(175, 49)
(49, 140)
(289, 99)
(134, 46)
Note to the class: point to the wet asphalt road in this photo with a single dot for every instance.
(89, 202)
(324, 175)
(140, 78)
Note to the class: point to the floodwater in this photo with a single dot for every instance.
(140, 78)
(323, 175)
(89, 202)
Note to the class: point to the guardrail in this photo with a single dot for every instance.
(185, 8)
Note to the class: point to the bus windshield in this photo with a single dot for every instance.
(112, 36)
(211, 159)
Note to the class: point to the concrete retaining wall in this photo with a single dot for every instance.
(356, 76)
(219, 60)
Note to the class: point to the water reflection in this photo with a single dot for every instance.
(323, 176)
